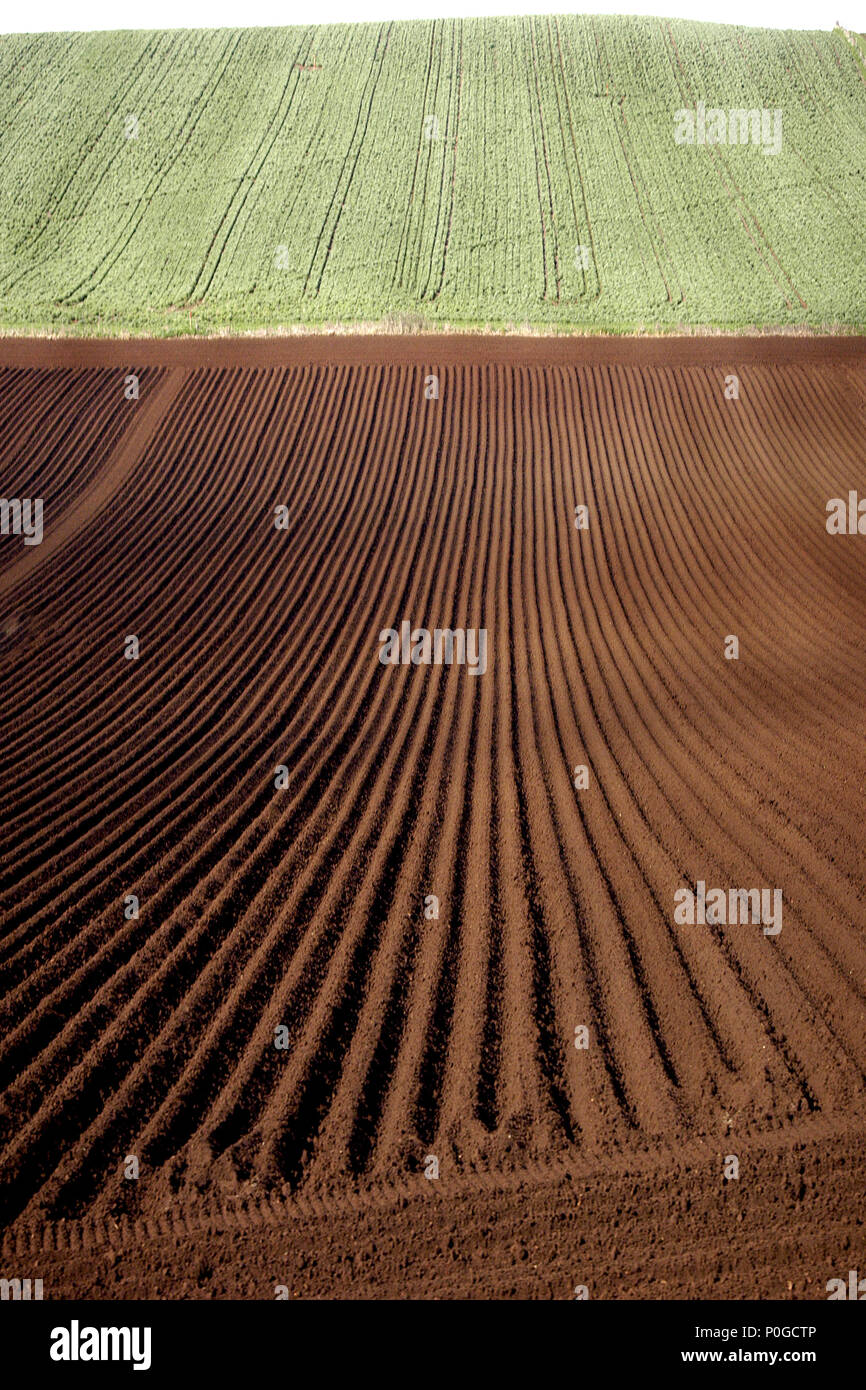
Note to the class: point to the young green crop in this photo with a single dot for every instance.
(461, 172)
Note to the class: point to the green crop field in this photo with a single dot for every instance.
(480, 172)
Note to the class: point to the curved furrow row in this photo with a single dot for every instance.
(269, 767)
(55, 428)
(573, 733)
(233, 1113)
(628, 550)
(416, 1033)
(645, 796)
(249, 585)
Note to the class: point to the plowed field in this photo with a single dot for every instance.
(306, 905)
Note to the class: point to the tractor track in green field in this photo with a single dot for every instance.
(552, 196)
(276, 124)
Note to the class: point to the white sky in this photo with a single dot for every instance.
(39, 16)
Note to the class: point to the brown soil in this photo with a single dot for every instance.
(454, 349)
(451, 1037)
